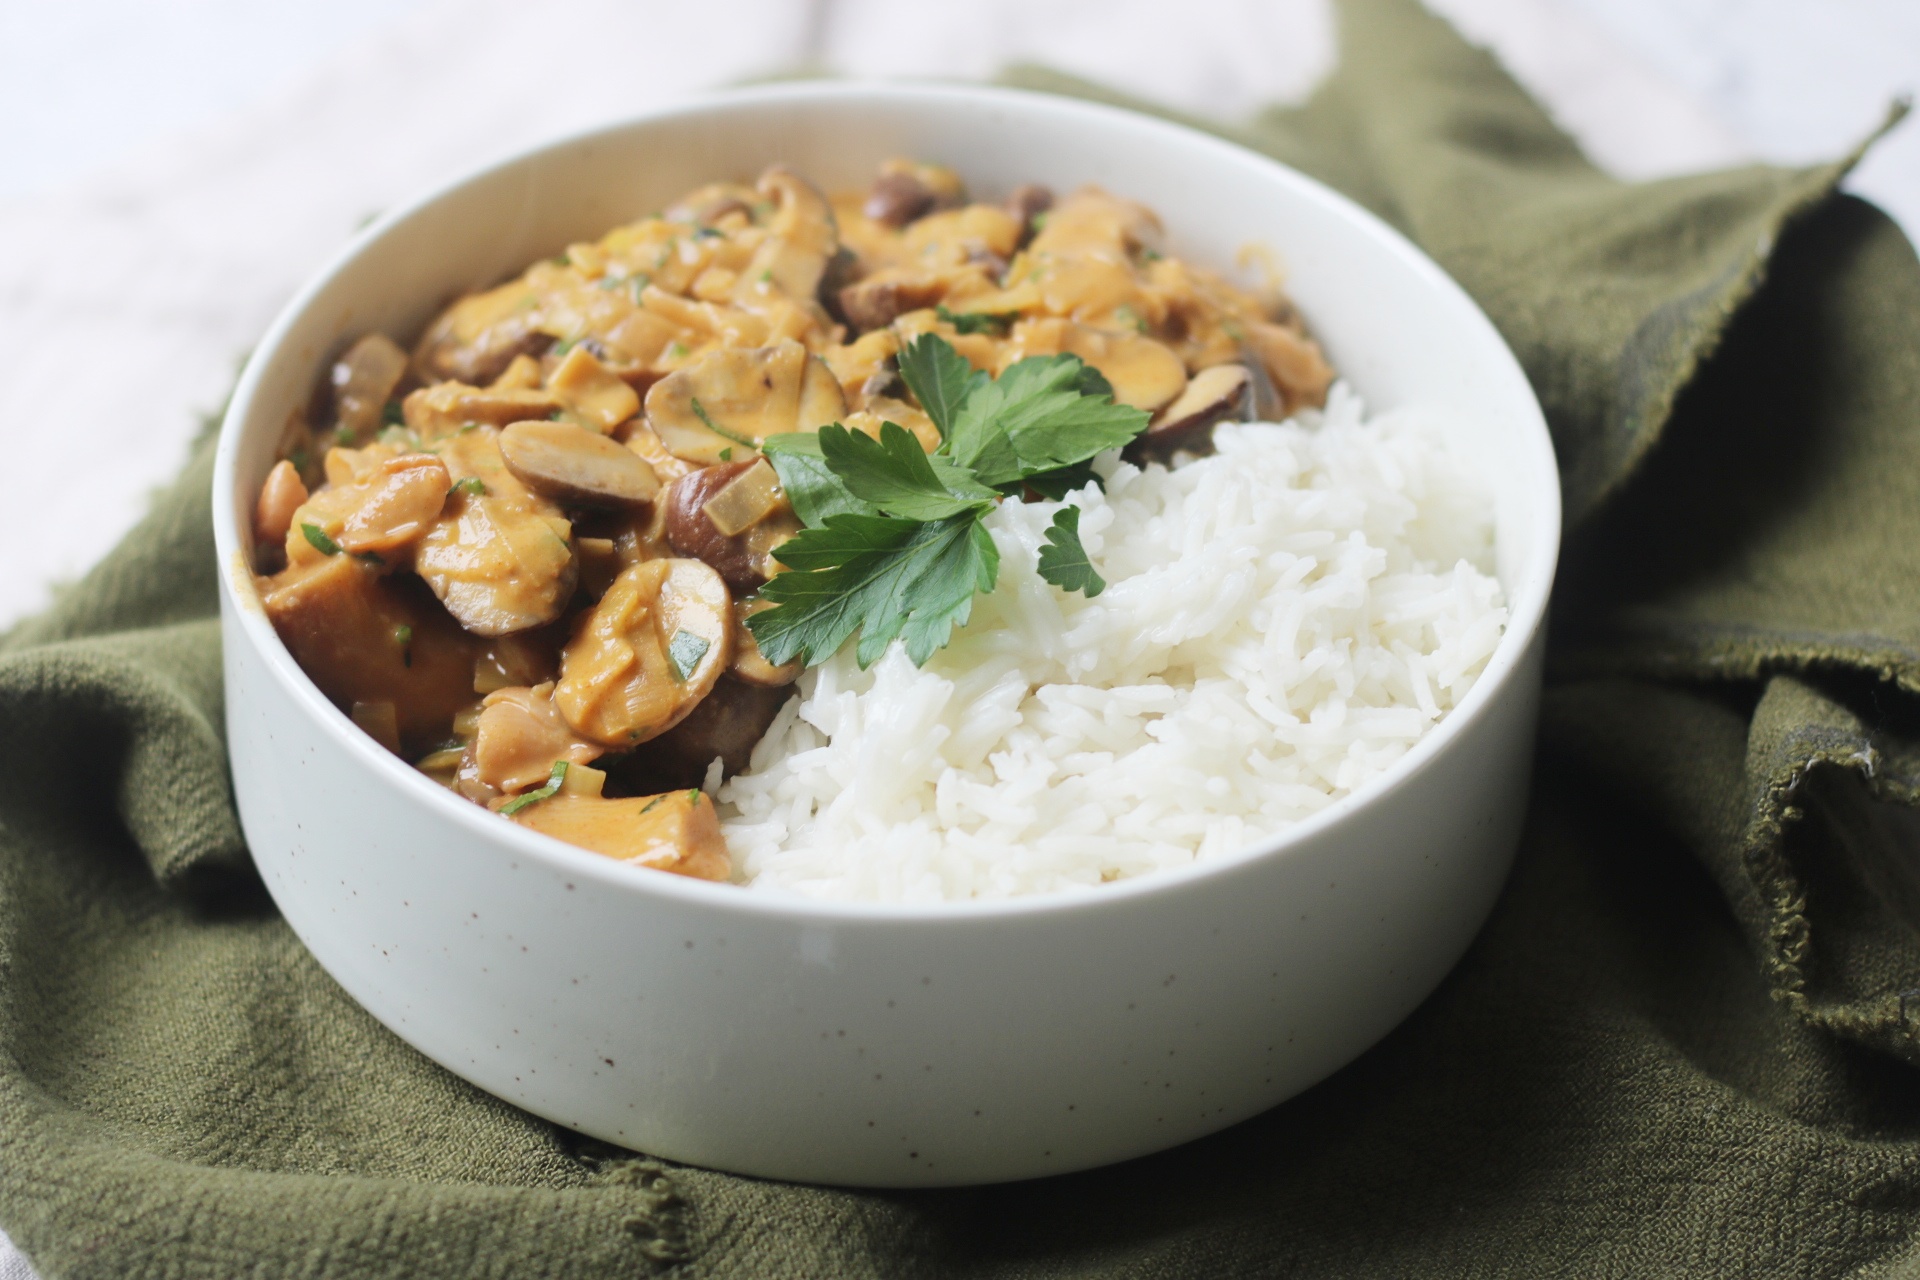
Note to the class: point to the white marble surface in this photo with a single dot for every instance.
(166, 200)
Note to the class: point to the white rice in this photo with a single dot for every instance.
(1282, 621)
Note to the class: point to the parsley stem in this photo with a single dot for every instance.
(700, 412)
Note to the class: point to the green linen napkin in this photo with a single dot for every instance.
(1684, 1045)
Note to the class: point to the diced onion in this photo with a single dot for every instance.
(748, 499)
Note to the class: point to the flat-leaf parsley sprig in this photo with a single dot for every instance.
(894, 543)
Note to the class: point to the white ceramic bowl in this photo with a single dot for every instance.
(870, 1044)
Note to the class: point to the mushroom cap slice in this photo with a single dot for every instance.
(519, 737)
(726, 726)
(744, 559)
(386, 507)
(732, 398)
(576, 467)
(1212, 395)
(363, 381)
(643, 657)
(749, 664)
(801, 237)
(446, 407)
(500, 557)
(1293, 361)
(677, 832)
(475, 339)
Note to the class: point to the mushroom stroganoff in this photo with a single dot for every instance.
(570, 555)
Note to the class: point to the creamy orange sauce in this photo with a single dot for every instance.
(538, 627)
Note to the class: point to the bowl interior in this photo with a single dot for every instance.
(1397, 328)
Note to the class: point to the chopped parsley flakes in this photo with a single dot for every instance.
(685, 653)
(553, 784)
(317, 539)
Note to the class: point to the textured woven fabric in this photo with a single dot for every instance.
(1684, 1045)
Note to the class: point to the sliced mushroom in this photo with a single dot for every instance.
(862, 360)
(1028, 201)
(726, 726)
(704, 206)
(1212, 395)
(744, 558)
(642, 658)
(500, 557)
(402, 501)
(363, 382)
(884, 381)
(906, 191)
(446, 407)
(630, 536)
(280, 496)
(368, 639)
(800, 238)
(591, 392)
(876, 302)
(843, 268)
(519, 737)
(749, 664)
(644, 441)
(730, 399)
(387, 509)
(475, 339)
(1294, 362)
(576, 467)
(677, 832)
(898, 197)
(343, 466)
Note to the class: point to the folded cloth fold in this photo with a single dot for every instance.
(1683, 1045)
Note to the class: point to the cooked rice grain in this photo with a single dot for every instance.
(1282, 621)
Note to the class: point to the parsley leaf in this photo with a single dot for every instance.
(895, 475)
(685, 653)
(815, 492)
(940, 378)
(1042, 413)
(894, 544)
(880, 575)
(1063, 561)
